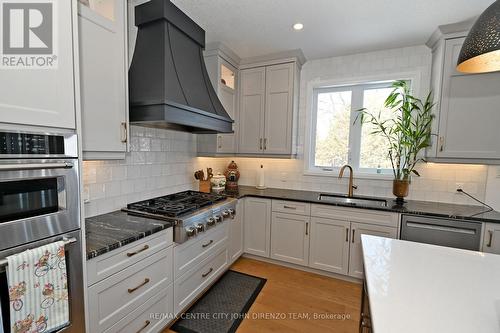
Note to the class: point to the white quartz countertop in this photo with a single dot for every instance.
(415, 287)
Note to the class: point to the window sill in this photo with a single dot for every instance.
(357, 175)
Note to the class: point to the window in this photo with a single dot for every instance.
(337, 139)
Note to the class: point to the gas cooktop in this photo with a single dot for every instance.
(177, 204)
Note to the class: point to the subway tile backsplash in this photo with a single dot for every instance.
(160, 162)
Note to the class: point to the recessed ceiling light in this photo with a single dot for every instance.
(298, 26)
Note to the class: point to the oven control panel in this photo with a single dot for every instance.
(12, 143)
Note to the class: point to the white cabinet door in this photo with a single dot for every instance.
(356, 251)
(236, 233)
(252, 104)
(279, 109)
(103, 71)
(257, 225)
(491, 239)
(329, 249)
(469, 115)
(44, 97)
(290, 238)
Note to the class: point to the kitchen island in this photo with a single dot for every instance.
(413, 287)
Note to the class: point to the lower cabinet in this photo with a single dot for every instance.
(329, 249)
(236, 234)
(356, 251)
(290, 238)
(491, 239)
(123, 301)
(257, 225)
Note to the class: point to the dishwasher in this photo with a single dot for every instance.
(441, 231)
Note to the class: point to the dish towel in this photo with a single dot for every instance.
(38, 289)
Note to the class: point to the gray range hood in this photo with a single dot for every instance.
(168, 82)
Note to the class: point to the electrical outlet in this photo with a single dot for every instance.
(86, 194)
(459, 186)
(283, 176)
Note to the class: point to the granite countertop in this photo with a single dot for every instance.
(107, 232)
(427, 208)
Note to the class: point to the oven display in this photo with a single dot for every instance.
(30, 144)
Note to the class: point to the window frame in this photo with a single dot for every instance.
(357, 86)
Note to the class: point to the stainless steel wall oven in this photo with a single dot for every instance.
(39, 204)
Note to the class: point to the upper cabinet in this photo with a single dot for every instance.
(222, 67)
(103, 72)
(268, 109)
(467, 107)
(37, 82)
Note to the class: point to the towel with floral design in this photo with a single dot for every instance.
(38, 289)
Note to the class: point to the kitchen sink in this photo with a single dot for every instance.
(353, 201)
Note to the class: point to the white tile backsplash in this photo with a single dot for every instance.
(160, 162)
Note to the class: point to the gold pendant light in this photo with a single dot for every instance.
(481, 50)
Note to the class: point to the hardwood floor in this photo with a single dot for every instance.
(296, 299)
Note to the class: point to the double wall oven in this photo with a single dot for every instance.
(39, 204)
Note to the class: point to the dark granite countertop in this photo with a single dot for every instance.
(107, 232)
(427, 208)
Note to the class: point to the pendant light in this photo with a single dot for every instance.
(481, 50)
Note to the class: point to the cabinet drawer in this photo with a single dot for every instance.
(291, 207)
(117, 296)
(152, 316)
(191, 253)
(188, 287)
(110, 263)
(357, 215)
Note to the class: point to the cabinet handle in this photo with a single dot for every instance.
(260, 144)
(353, 231)
(219, 140)
(208, 244)
(124, 132)
(131, 254)
(290, 207)
(347, 235)
(265, 144)
(131, 290)
(307, 228)
(490, 240)
(209, 271)
(146, 324)
(441, 143)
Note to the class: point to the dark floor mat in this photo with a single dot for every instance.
(223, 306)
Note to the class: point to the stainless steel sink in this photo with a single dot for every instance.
(353, 201)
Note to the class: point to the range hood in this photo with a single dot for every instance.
(169, 85)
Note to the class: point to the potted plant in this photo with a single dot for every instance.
(407, 133)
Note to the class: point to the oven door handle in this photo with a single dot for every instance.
(35, 166)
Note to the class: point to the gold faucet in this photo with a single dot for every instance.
(351, 185)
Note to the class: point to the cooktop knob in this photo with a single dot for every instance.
(218, 218)
(225, 214)
(191, 231)
(210, 222)
(232, 212)
(200, 227)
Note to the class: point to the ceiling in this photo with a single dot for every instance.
(331, 27)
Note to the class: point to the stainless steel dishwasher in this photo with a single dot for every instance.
(440, 231)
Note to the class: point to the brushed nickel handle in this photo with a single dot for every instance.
(307, 228)
(131, 290)
(260, 144)
(441, 143)
(208, 244)
(124, 132)
(146, 324)
(207, 273)
(353, 231)
(265, 143)
(490, 240)
(131, 254)
(35, 166)
(347, 234)
(290, 207)
(219, 141)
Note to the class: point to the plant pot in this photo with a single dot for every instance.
(401, 189)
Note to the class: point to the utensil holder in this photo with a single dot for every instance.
(205, 186)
